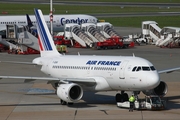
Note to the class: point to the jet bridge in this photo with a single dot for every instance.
(107, 29)
(73, 31)
(90, 30)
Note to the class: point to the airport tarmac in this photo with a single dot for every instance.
(37, 101)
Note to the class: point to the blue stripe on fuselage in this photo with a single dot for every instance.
(45, 40)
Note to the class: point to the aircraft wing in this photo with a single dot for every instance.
(29, 78)
(84, 81)
(16, 62)
(169, 70)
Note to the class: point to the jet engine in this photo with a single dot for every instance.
(69, 92)
(160, 90)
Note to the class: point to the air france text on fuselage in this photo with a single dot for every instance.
(78, 21)
(94, 62)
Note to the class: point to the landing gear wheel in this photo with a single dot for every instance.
(118, 97)
(122, 97)
(125, 97)
(63, 102)
(70, 103)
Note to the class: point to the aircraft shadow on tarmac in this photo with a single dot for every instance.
(90, 99)
(172, 104)
(93, 98)
(93, 103)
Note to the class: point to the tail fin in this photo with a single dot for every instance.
(29, 21)
(46, 43)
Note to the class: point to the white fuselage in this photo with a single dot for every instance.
(58, 20)
(119, 72)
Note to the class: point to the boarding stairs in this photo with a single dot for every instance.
(28, 38)
(155, 32)
(82, 38)
(95, 34)
(166, 41)
(109, 32)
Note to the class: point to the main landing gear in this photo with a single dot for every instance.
(122, 97)
(65, 103)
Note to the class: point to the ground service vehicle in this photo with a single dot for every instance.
(61, 48)
(113, 42)
(153, 102)
(59, 40)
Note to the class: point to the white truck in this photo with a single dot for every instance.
(149, 103)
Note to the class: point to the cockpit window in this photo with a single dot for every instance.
(134, 69)
(138, 69)
(152, 68)
(143, 68)
(146, 68)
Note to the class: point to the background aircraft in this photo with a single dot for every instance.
(58, 20)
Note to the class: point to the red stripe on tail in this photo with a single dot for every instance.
(40, 44)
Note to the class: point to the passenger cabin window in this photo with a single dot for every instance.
(143, 68)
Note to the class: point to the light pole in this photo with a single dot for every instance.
(51, 18)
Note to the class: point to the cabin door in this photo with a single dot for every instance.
(122, 69)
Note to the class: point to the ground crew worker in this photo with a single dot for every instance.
(131, 102)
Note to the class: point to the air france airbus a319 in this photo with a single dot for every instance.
(71, 74)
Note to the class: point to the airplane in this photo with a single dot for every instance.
(58, 20)
(71, 75)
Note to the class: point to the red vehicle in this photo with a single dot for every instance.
(113, 42)
(59, 40)
(3, 48)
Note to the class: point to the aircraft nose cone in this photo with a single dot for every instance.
(153, 80)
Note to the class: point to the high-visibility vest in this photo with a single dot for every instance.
(132, 99)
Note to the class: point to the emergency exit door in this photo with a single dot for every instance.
(122, 69)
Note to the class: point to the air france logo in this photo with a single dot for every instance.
(112, 63)
(78, 21)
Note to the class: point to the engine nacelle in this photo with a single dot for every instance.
(160, 90)
(69, 92)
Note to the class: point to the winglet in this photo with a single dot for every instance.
(46, 43)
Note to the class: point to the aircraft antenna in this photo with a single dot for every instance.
(78, 54)
(134, 55)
